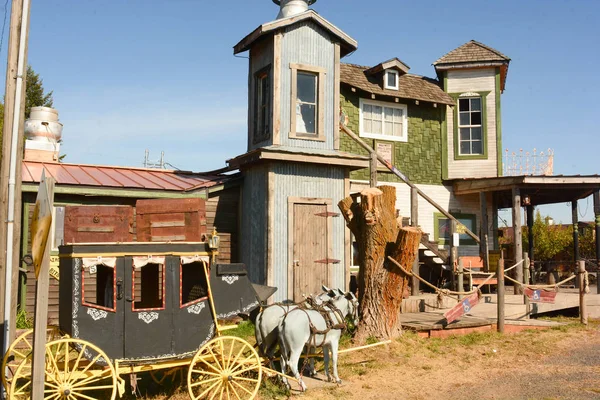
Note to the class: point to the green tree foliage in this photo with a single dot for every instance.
(35, 96)
(549, 240)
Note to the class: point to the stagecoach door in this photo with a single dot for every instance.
(311, 238)
(148, 321)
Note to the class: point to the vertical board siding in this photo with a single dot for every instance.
(307, 43)
(222, 212)
(468, 204)
(254, 224)
(475, 80)
(261, 56)
(311, 181)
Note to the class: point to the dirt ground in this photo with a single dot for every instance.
(554, 364)
(559, 363)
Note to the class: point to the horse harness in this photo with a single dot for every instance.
(325, 311)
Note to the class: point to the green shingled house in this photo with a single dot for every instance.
(436, 131)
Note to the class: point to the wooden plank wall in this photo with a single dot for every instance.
(222, 212)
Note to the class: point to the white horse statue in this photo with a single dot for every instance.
(267, 322)
(313, 329)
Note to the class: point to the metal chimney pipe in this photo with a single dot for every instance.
(289, 8)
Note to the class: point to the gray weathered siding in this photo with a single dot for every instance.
(253, 242)
(261, 56)
(307, 43)
(311, 181)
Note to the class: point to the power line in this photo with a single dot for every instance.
(3, 25)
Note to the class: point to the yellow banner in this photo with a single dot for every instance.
(54, 272)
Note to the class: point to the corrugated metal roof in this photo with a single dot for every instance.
(119, 177)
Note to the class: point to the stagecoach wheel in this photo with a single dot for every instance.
(227, 367)
(18, 352)
(74, 370)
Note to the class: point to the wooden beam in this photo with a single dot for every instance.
(518, 237)
(531, 247)
(597, 230)
(336, 96)
(484, 249)
(373, 170)
(414, 222)
(41, 305)
(575, 222)
(276, 95)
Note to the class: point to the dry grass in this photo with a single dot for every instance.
(416, 368)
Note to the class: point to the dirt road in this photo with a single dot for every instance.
(554, 364)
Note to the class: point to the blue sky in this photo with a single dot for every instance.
(130, 75)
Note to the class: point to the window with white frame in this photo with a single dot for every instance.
(307, 102)
(380, 120)
(470, 129)
(390, 80)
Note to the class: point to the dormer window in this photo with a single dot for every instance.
(391, 80)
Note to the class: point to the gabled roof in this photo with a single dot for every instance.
(103, 176)
(470, 52)
(410, 86)
(347, 44)
(394, 63)
(474, 55)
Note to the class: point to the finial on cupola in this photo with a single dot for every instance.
(290, 8)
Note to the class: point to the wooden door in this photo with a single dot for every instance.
(311, 247)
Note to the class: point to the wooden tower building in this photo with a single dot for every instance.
(294, 173)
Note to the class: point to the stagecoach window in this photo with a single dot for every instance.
(99, 286)
(193, 283)
(148, 286)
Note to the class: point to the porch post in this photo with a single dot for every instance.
(484, 249)
(575, 221)
(414, 222)
(373, 170)
(530, 240)
(597, 235)
(518, 238)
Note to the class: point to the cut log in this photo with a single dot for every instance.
(371, 216)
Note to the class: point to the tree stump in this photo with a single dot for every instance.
(371, 216)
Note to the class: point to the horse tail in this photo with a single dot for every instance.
(260, 340)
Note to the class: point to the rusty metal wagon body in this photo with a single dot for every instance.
(127, 308)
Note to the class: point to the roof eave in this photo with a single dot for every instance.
(347, 44)
(448, 102)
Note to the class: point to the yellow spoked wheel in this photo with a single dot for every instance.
(227, 367)
(19, 351)
(74, 370)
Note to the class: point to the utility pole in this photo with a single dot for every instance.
(10, 169)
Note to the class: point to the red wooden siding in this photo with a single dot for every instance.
(171, 220)
(93, 224)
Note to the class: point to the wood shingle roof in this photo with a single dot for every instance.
(410, 86)
(470, 52)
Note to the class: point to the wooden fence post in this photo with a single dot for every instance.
(500, 295)
(461, 278)
(582, 289)
(453, 255)
(526, 280)
(40, 316)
